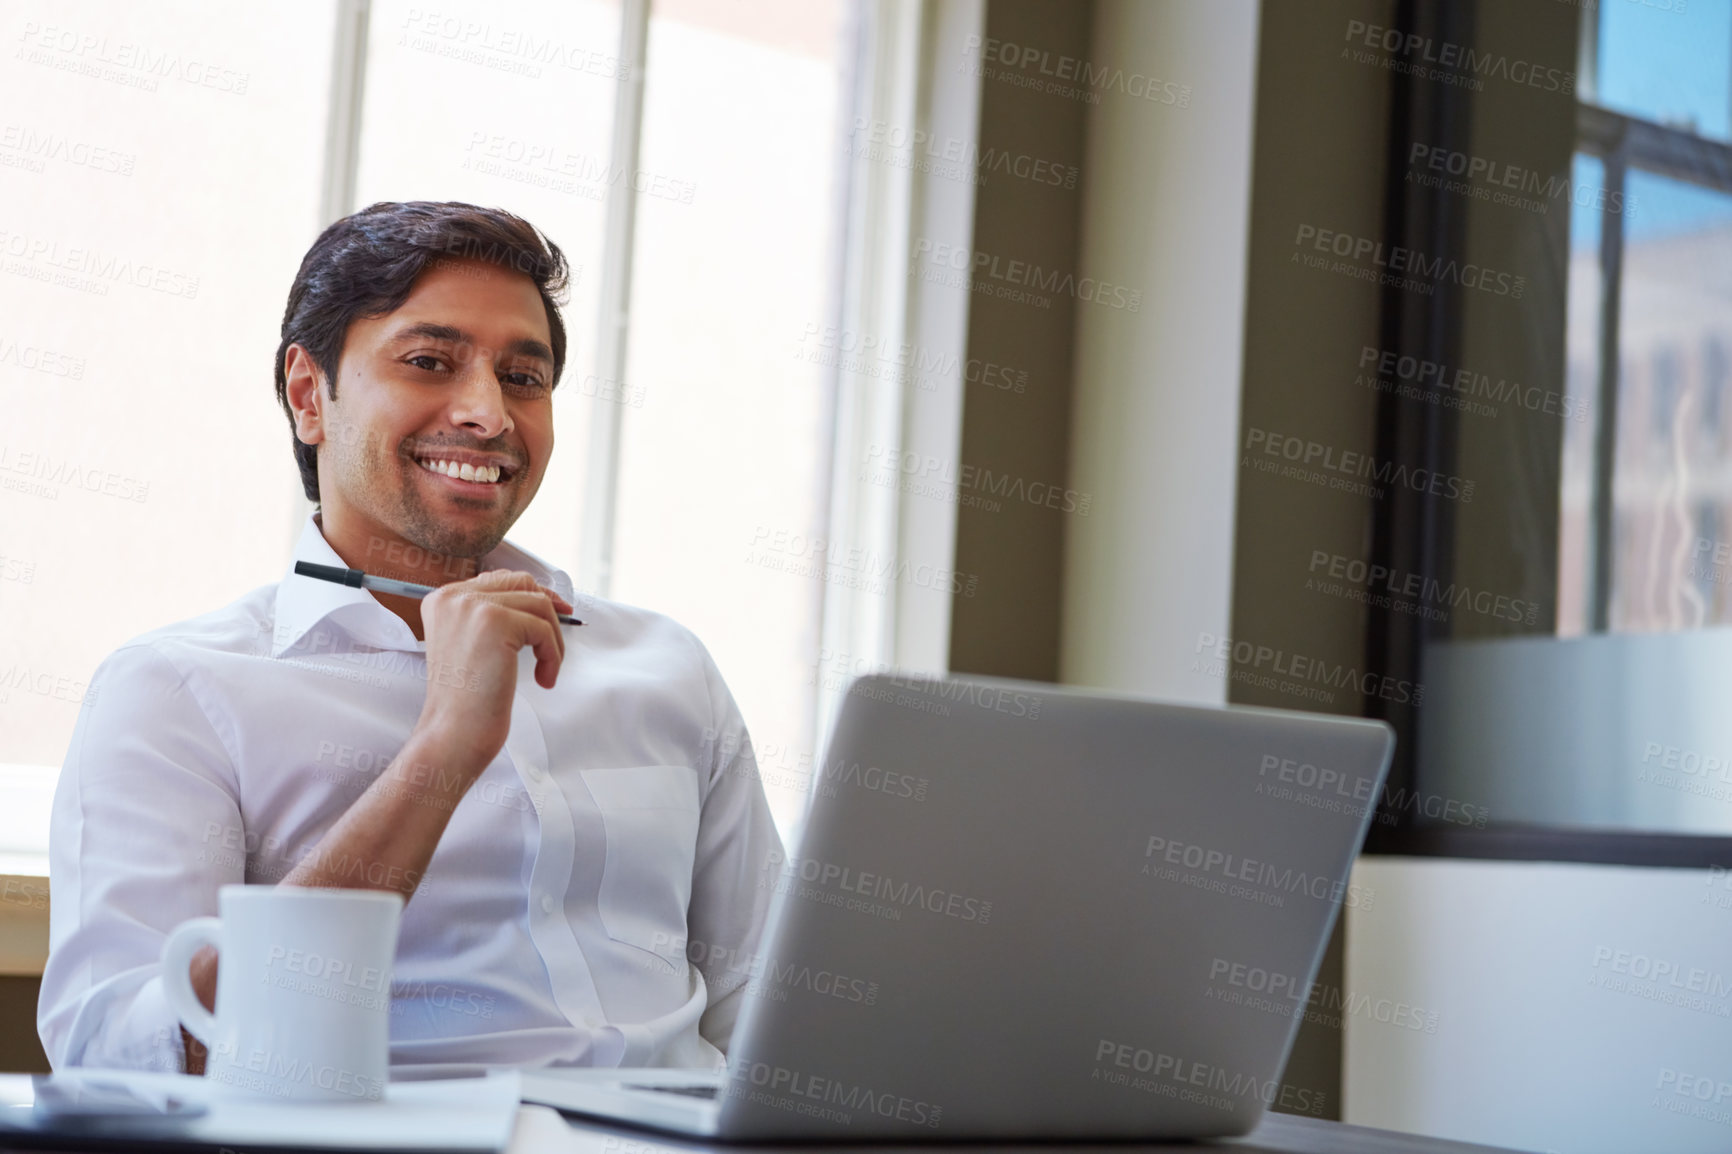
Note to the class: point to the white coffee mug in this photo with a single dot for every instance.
(303, 999)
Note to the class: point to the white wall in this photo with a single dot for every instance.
(1156, 418)
(1576, 1008)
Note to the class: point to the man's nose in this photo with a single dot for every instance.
(478, 400)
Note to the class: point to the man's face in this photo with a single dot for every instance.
(461, 374)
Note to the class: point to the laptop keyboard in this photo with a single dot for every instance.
(688, 1091)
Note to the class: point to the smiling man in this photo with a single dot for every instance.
(563, 807)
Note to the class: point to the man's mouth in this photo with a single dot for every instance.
(464, 471)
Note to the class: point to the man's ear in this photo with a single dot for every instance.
(303, 381)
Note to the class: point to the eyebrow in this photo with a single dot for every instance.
(428, 330)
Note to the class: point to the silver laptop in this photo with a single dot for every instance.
(1025, 911)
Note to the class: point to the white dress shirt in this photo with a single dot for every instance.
(623, 817)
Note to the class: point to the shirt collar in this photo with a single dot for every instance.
(305, 602)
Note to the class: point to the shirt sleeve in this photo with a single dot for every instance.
(145, 829)
(737, 841)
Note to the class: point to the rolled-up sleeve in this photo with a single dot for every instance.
(146, 827)
(737, 842)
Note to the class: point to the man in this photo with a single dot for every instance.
(563, 807)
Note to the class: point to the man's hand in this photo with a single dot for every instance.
(204, 979)
(475, 629)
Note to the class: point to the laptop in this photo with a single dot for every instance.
(1028, 911)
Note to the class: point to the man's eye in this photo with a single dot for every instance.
(425, 361)
(528, 382)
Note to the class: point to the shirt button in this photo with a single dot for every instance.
(546, 905)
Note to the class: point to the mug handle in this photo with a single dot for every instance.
(186, 940)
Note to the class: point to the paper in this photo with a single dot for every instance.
(458, 1115)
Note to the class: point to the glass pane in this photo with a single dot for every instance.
(1668, 61)
(1672, 540)
(729, 448)
(1624, 729)
(160, 170)
(509, 105)
(1581, 380)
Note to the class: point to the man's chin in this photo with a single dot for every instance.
(440, 535)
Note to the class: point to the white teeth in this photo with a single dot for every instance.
(483, 474)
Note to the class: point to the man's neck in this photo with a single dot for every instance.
(382, 555)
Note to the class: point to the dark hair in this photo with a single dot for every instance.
(366, 265)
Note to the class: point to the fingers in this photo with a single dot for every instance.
(536, 606)
(527, 614)
(514, 579)
(544, 638)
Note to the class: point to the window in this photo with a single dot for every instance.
(164, 171)
(1603, 738)
(1649, 296)
(160, 172)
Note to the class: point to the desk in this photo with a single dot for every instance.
(543, 1131)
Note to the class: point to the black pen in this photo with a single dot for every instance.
(359, 580)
